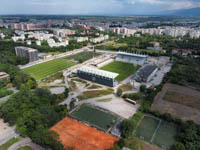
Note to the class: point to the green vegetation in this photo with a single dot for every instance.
(48, 68)
(117, 66)
(94, 87)
(5, 92)
(166, 135)
(25, 148)
(139, 44)
(128, 126)
(34, 112)
(147, 128)
(94, 93)
(72, 45)
(185, 71)
(126, 87)
(158, 132)
(82, 56)
(105, 100)
(97, 117)
(9, 143)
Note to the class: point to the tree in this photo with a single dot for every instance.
(143, 88)
(119, 92)
(127, 128)
(179, 146)
(116, 147)
(121, 143)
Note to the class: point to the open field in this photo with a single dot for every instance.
(95, 117)
(182, 98)
(48, 68)
(157, 132)
(82, 137)
(182, 102)
(82, 56)
(123, 69)
(138, 144)
(94, 93)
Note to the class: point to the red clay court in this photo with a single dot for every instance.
(82, 137)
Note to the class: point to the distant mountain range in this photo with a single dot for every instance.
(193, 12)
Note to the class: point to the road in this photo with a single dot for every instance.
(25, 142)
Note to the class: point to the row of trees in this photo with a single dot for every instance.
(32, 110)
(167, 42)
(33, 113)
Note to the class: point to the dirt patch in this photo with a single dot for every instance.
(82, 137)
(182, 102)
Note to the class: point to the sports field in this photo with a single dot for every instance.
(95, 117)
(45, 69)
(82, 137)
(82, 56)
(158, 132)
(123, 69)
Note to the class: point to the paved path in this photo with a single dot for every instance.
(93, 100)
(25, 142)
(3, 99)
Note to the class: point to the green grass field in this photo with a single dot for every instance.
(166, 135)
(157, 132)
(123, 69)
(43, 70)
(147, 128)
(94, 117)
(83, 56)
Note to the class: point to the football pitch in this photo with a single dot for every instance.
(95, 117)
(45, 69)
(123, 69)
(158, 132)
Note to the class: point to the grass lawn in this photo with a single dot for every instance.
(9, 143)
(95, 117)
(25, 148)
(94, 93)
(123, 69)
(83, 56)
(147, 128)
(45, 69)
(158, 132)
(166, 135)
(94, 86)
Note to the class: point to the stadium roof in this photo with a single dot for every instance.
(146, 71)
(98, 72)
(132, 54)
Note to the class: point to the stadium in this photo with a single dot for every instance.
(136, 59)
(98, 76)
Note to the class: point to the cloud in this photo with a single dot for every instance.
(94, 7)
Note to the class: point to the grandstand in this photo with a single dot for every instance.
(136, 59)
(98, 76)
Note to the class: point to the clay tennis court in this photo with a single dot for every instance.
(82, 137)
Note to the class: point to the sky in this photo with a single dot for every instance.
(94, 7)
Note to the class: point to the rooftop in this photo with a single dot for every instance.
(146, 71)
(99, 72)
(132, 54)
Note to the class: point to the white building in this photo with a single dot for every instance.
(81, 39)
